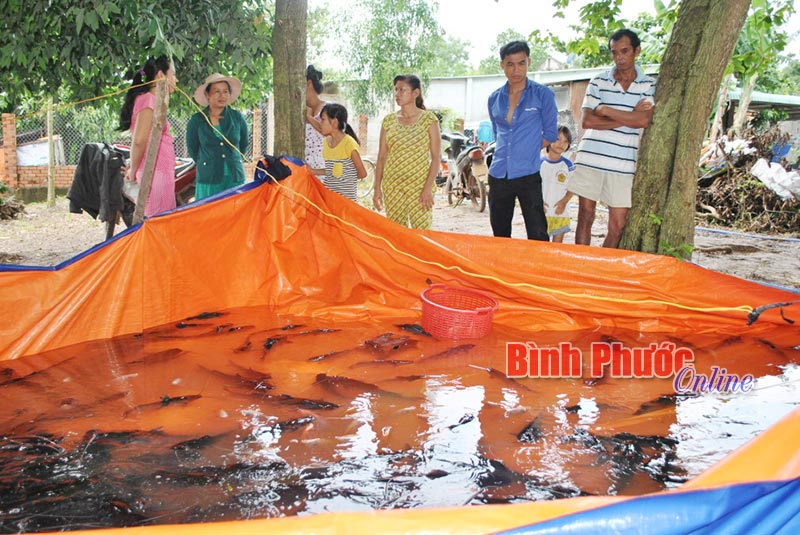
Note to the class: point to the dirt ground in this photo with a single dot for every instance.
(45, 237)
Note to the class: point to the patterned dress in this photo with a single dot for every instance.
(162, 187)
(407, 164)
(314, 141)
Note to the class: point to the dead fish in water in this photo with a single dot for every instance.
(195, 443)
(496, 374)
(205, 316)
(532, 432)
(297, 423)
(329, 355)
(414, 328)
(318, 331)
(381, 362)
(409, 378)
(347, 387)
(165, 401)
(25, 378)
(269, 342)
(627, 454)
(246, 376)
(389, 342)
(498, 475)
(312, 404)
(467, 418)
(661, 402)
(453, 351)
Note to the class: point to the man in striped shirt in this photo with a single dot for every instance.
(617, 106)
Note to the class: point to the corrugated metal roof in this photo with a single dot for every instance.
(767, 98)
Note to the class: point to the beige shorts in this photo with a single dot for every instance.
(611, 189)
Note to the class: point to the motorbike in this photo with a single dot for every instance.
(466, 171)
(185, 176)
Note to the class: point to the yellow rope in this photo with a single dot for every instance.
(741, 308)
(70, 104)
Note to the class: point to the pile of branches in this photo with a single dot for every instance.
(10, 207)
(728, 195)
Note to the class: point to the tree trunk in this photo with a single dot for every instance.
(288, 71)
(662, 217)
(740, 117)
(722, 104)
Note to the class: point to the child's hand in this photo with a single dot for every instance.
(561, 206)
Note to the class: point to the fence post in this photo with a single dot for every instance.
(51, 150)
(159, 118)
(10, 150)
(257, 122)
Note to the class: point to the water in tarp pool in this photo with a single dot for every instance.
(242, 414)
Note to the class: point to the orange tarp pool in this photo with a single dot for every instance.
(292, 249)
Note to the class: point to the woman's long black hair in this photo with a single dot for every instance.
(147, 73)
(315, 77)
(339, 112)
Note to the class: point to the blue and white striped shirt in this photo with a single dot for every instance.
(615, 150)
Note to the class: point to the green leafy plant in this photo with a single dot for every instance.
(682, 251)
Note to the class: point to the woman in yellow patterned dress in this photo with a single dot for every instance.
(408, 157)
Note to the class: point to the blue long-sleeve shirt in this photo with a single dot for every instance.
(518, 144)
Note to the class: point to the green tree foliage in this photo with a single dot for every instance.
(539, 51)
(451, 57)
(88, 46)
(760, 42)
(602, 18)
(387, 38)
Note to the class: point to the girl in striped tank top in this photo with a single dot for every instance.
(343, 165)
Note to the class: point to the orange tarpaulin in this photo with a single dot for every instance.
(271, 245)
(301, 250)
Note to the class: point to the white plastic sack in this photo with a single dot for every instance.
(775, 177)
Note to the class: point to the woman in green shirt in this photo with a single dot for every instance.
(217, 138)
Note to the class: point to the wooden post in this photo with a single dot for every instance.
(159, 119)
(10, 151)
(51, 170)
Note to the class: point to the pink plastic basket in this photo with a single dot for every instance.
(456, 313)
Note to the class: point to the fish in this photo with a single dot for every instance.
(532, 432)
(165, 401)
(328, 355)
(467, 418)
(388, 342)
(205, 316)
(347, 387)
(311, 404)
(667, 400)
(381, 362)
(496, 374)
(271, 342)
(414, 328)
(195, 443)
(247, 377)
(453, 351)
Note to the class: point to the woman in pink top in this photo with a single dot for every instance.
(137, 116)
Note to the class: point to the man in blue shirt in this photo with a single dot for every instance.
(524, 119)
